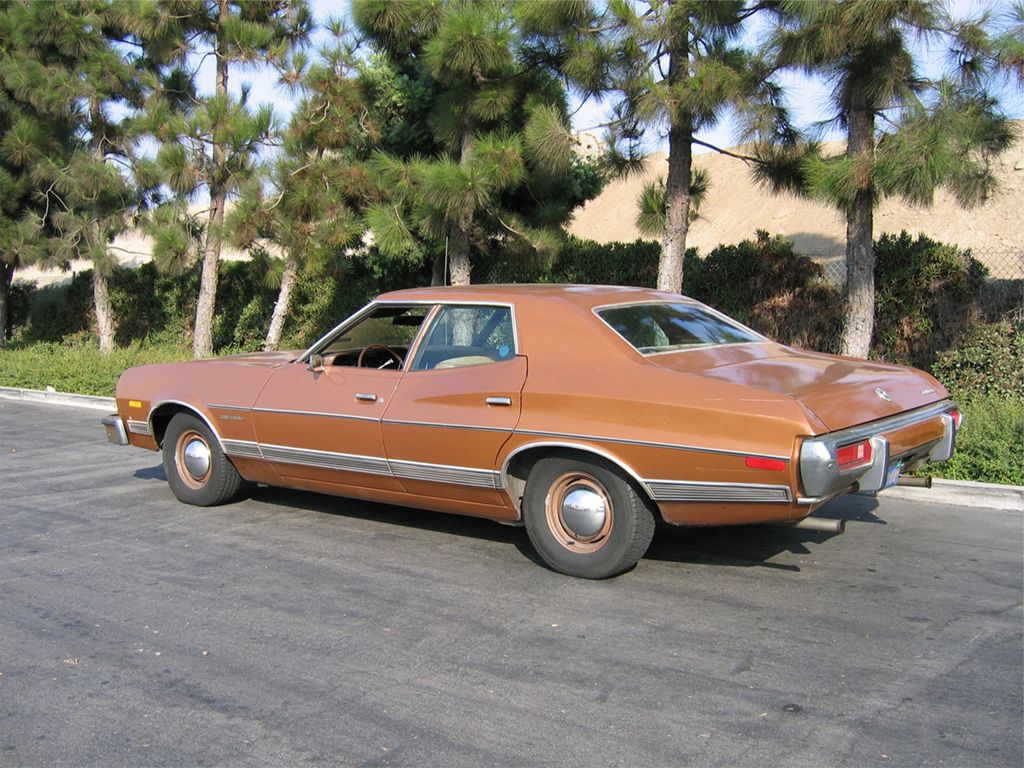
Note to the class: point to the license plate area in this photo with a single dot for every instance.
(892, 474)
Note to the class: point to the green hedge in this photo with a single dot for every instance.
(77, 365)
(988, 446)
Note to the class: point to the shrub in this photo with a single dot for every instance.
(988, 446)
(77, 365)
(926, 297)
(989, 361)
(736, 278)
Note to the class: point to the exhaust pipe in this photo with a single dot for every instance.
(915, 482)
(822, 524)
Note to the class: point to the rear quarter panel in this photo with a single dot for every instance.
(586, 387)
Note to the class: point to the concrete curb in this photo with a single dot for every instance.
(961, 493)
(958, 493)
(54, 397)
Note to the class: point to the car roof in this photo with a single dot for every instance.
(584, 296)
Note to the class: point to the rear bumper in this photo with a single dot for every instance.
(820, 476)
(114, 426)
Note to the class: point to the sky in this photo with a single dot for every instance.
(808, 98)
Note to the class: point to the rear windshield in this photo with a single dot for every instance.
(656, 328)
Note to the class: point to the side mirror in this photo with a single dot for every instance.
(315, 364)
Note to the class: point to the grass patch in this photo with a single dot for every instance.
(988, 448)
(73, 366)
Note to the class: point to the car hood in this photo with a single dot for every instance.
(268, 359)
(840, 391)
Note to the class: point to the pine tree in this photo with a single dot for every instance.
(214, 145)
(669, 65)
(307, 205)
(36, 139)
(505, 178)
(905, 135)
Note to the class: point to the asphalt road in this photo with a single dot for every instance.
(295, 629)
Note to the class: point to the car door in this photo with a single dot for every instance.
(456, 405)
(320, 420)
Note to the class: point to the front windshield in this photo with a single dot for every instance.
(657, 328)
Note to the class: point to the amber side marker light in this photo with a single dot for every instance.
(853, 455)
(758, 462)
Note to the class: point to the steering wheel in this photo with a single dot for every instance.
(394, 355)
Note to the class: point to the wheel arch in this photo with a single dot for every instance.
(160, 416)
(517, 465)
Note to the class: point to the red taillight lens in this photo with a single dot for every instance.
(759, 462)
(854, 455)
(958, 418)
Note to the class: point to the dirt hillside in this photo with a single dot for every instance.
(736, 207)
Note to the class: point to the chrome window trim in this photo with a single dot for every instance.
(369, 308)
(431, 319)
(762, 339)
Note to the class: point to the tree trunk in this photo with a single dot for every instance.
(284, 300)
(438, 275)
(677, 186)
(860, 254)
(6, 278)
(104, 312)
(677, 207)
(459, 266)
(100, 287)
(202, 343)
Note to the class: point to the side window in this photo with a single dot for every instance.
(461, 336)
(386, 335)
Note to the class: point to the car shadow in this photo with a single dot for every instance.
(151, 473)
(733, 546)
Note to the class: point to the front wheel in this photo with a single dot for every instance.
(585, 518)
(197, 470)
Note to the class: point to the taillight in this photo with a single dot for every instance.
(958, 418)
(854, 455)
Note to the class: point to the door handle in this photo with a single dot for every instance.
(366, 397)
(499, 401)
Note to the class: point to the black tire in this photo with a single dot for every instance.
(218, 485)
(622, 533)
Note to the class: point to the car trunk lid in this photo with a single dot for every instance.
(841, 391)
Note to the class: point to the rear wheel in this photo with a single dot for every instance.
(585, 518)
(197, 470)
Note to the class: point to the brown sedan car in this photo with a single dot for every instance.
(583, 412)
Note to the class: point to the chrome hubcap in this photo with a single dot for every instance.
(579, 512)
(584, 512)
(196, 458)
